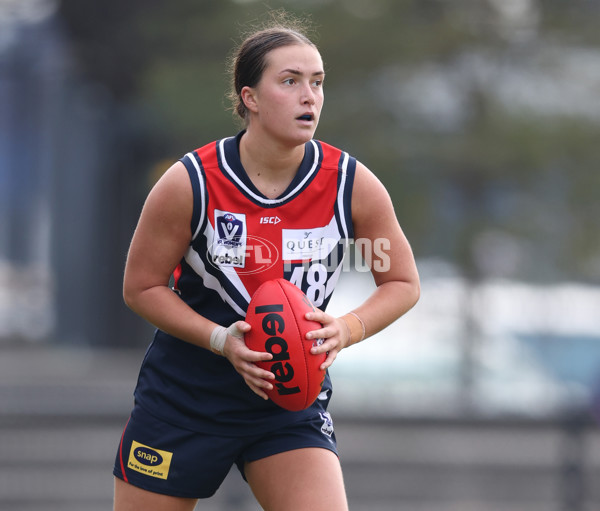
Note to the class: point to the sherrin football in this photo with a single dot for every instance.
(276, 313)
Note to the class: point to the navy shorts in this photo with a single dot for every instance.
(162, 458)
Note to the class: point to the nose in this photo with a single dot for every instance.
(308, 95)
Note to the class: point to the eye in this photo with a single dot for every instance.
(318, 83)
(289, 81)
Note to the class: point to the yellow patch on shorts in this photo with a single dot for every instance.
(149, 461)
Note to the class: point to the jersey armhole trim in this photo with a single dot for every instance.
(347, 170)
(193, 164)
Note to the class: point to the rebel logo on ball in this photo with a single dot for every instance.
(277, 315)
(273, 325)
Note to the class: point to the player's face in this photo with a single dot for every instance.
(289, 96)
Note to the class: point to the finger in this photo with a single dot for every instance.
(258, 391)
(321, 333)
(325, 346)
(242, 326)
(331, 356)
(239, 350)
(238, 329)
(251, 370)
(318, 315)
(259, 383)
(263, 375)
(256, 356)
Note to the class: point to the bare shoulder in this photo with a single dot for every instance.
(171, 198)
(371, 202)
(367, 183)
(173, 184)
(167, 212)
(375, 220)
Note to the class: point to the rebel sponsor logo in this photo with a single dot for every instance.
(273, 325)
(149, 461)
(258, 255)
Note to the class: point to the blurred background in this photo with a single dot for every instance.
(482, 118)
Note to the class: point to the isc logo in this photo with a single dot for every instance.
(270, 220)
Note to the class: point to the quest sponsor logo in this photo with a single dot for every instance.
(306, 244)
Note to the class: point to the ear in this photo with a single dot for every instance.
(248, 95)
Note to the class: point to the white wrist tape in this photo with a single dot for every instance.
(217, 339)
(219, 335)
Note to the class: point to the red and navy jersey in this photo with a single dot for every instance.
(241, 238)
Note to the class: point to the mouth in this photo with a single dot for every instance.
(306, 117)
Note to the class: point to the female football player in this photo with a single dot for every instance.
(270, 202)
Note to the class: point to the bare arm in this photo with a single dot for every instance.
(162, 236)
(385, 247)
(160, 241)
(391, 258)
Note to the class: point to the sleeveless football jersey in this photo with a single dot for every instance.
(241, 239)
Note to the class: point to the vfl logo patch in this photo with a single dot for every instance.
(229, 244)
(230, 228)
(149, 461)
(327, 427)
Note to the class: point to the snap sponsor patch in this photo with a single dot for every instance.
(149, 461)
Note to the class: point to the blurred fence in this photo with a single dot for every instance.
(62, 412)
(67, 190)
(488, 349)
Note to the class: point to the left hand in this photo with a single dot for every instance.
(334, 332)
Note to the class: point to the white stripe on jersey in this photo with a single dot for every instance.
(332, 281)
(340, 197)
(210, 281)
(232, 276)
(202, 197)
(258, 197)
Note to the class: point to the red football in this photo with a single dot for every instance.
(276, 314)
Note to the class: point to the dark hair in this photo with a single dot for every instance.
(250, 58)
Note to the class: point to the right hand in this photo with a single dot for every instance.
(244, 360)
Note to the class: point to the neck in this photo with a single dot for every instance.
(269, 156)
(271, 166)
